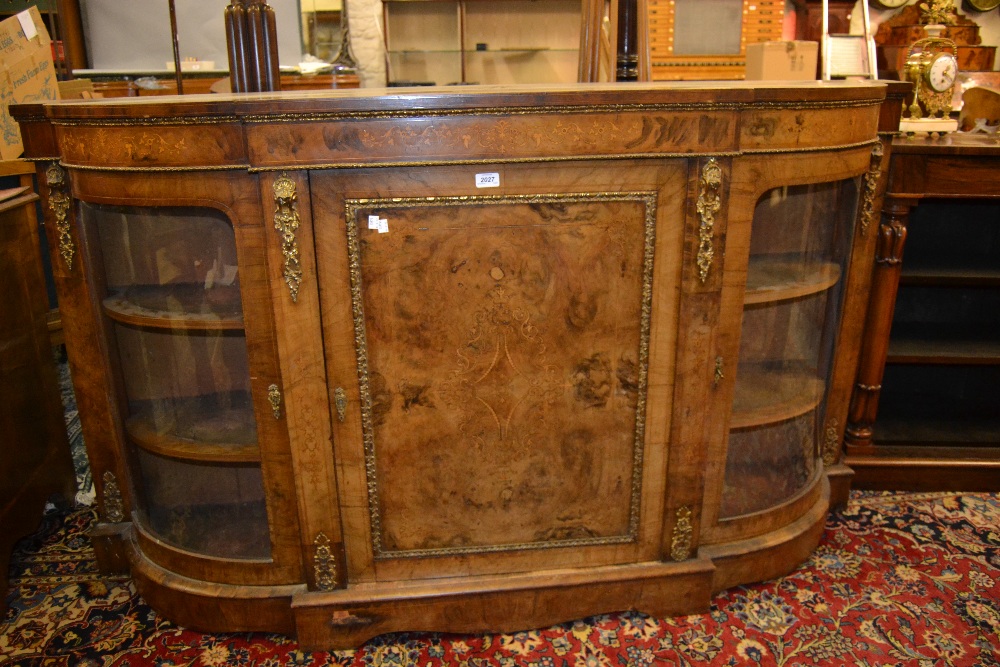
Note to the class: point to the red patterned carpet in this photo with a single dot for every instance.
(899, 579)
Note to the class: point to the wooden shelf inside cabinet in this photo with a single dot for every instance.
(177, 307)
(770, 280)
(951, 276)
(954, 343)
(768, 396)
(202, 429)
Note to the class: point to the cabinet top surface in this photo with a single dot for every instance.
(953, 143)
(701, 94)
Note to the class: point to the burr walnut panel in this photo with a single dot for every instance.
(536, 374)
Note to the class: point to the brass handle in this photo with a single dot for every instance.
(340, 401)
(718, 371)
(274, 396)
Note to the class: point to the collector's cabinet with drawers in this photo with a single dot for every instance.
(458, 360)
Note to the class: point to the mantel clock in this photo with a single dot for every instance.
(932, 67)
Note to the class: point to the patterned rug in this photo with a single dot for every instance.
(899, 579)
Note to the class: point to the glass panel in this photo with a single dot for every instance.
(172, 296)
(217, 510)
(768, 463)
(707, 27)
(799, 247)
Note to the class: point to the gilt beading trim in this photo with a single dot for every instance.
(292, 117)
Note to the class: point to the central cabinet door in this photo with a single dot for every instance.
(493, 362)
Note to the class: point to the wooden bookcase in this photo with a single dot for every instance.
(924, 413)
(467, 359)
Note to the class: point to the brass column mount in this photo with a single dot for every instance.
(680, 542)
(324, 567)
(868, 212)
(709, 203)
(59, 199)
(286, 221)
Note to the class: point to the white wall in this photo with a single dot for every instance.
(367, 42)
(135, 34)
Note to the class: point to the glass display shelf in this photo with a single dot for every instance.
(184, 306)
(780, 278)
(769, 394)
(217, 428)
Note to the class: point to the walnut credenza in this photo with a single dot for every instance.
(463, 360)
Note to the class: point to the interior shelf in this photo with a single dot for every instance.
(937, 432)
(779, 279)
(179, 306)
(766, 396)
(950, 343)
(951, 276)
(216, 428)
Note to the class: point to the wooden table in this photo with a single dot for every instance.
(923, 451)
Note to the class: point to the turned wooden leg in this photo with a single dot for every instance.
(881, 304)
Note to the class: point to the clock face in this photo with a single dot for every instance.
(942, 72)
(891, 4)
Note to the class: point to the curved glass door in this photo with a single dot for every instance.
(799, 248)
(172, 296)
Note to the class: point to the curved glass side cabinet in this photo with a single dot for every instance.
(171, 290)
(800, 243)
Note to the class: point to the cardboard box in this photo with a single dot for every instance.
(783, 61)
(27, 73)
